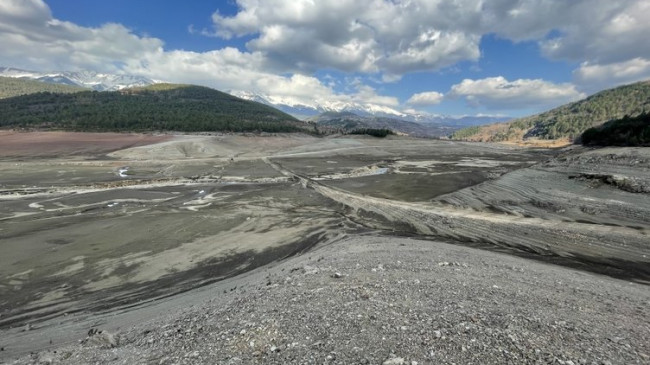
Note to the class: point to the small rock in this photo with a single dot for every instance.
(437, 334)
(337, 275)
(394, 361)
(310, 270)
(102, 338)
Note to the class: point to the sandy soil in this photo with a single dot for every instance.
(369, 300)
(47, 144)
(84, 232)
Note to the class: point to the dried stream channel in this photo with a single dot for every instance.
(84, 233)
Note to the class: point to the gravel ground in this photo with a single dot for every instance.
(385, 300)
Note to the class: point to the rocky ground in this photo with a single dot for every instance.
(384, 300)
(287, 249)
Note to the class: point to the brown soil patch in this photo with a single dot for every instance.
(544, 143)
(56, 144)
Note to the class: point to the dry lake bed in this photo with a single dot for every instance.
(93, 223)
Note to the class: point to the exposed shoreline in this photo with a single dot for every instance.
(423, 301)
(193, 210)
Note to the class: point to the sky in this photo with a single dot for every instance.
(447, 57)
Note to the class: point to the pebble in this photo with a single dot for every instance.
(394, 361)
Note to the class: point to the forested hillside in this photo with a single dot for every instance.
(627, 131)
(154, 108)
(346, 122)
(10, 86)
(570, 120)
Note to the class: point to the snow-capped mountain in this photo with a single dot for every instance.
(315, 107)
(298, 108)
(303, 110)
(88, 79)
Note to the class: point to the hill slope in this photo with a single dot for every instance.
(157, 107)
(628, 131)
(567, 121)
(10, 87)
(348, 122)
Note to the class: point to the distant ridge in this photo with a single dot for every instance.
(158, 107)
(86, 79)
(10, 87)
(307, 110)
(347, 122)
(568, 121)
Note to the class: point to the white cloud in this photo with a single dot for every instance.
(288, 40)
(500, 94)
(603, 32)
(398, 37)
(595, 77)
(390, 37)
(32, 38)
(425, 98)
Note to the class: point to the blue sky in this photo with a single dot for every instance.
(510, 57)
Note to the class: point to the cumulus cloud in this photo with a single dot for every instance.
(425, 98)
(603, 32)
(289, 40)
(500, 94)
(32, 38)
(397, 37)
(389, 37)
(595, 77)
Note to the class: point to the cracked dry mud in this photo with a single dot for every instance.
(285, 249)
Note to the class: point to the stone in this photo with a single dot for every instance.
(394, 361)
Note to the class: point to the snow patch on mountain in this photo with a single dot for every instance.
(305, 110)
(88, 79)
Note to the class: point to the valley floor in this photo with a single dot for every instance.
(239, 249)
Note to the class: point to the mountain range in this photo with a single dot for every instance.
(304, 110)
(431, 124)
(349, 122)
(299, 109)
(87, 79)
(159, 107)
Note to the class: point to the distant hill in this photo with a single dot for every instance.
(152, 108)
(567, 121)
(347, 122)
(10, 87)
